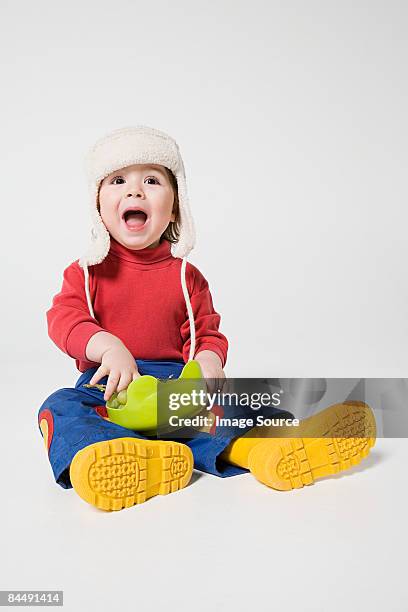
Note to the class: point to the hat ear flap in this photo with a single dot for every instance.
(187, 231)
(100, 237)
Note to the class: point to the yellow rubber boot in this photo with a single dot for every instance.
(116, 474)
(338, 438)
(237, 452)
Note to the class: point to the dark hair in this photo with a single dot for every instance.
(172, 232)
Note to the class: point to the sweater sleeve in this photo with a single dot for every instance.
(70, 325)
(206, 319)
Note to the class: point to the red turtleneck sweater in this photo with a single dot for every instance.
(136, 296)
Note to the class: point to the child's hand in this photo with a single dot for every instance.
(211, 367)
(118, 363)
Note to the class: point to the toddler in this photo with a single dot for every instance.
(133, 306)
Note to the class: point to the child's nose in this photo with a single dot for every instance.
(137, 192)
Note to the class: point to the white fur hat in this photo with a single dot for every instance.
(122, 148)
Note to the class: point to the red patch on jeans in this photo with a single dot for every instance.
(218, 411)
(101, 410)
(46, 424)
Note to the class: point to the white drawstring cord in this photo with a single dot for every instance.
(88, 296)
(189, 309)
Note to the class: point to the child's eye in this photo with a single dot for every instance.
(152, 178)
(120, 178)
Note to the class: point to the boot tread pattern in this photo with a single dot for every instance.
(120, 473)
(344, 436)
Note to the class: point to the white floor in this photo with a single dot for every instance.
(219, 544)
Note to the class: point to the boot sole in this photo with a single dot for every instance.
(120, 473)
(338, 438)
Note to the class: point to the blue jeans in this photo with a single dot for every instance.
(69, 422)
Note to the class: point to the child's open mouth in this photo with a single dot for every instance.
(135, 219)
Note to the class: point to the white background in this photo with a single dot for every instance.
(291, 119)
